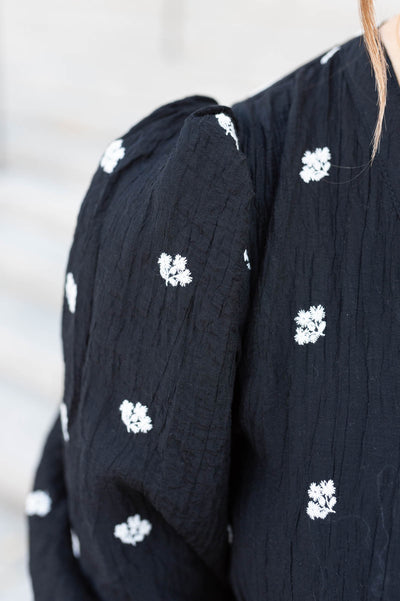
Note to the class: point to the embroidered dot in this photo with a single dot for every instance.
(113, 153)
(226, 123)
(174, 274)
(133, 530)
(38, 502)
(64, 421)
(324, 59)
(135, 417)
(71, 290)
(316, 164)
(75, 544)
(322, 499)
(230, 533)
(310, 324)
(246, 258)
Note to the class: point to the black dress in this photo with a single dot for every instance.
(230, 424)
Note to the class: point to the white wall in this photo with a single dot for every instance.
(73, 76)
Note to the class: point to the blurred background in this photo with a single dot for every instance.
(73, 77)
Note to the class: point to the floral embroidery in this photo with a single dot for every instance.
(175, 274)
(71, 290)
(76, 545)
(246, 258)
(324, 59)
(135, 417)
(316, 164)
(311, 324)
(226, 123)
(113, 153)
(230, 533)
(38, 502)
(64, 421)
(323, 499)
(133, 530)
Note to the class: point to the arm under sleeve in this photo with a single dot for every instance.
(53, 564)
(159, 286)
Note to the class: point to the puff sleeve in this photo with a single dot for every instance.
(158, 287)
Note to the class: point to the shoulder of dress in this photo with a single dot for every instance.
(267, 117)
(158, 133)
(269, 106)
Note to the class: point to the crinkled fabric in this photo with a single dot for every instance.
(230, 423)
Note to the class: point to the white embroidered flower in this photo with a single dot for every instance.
(71, 290)
(38, 502)
(324, 59)
(230, 533)
(323, 499)
(226, 123)
(135, 417)
(315, 164)
(133, 530)
(317, 313)
(176, 273)
(302, 318)
(311, 324)
(246, 258)
(113, 153)
(314, 492)
(64, 421)
(301, 336)
(327, 488)
(75, 544)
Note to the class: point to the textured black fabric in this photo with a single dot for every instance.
(243, 407)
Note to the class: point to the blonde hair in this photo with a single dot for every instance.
(374, 46)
